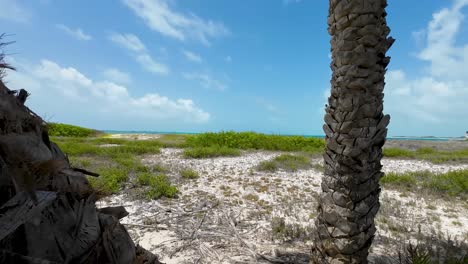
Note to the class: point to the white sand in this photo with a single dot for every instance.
(136, 136)
(231, 188)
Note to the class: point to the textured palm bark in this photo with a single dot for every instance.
(47, 208)
(355, 129)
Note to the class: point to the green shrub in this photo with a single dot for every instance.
(110, 180)
(79, 161)
(285, 161)
(64, 130)
(293, 162)
(189, 174)
(109, 140)
(425, 151)
(114, 163)
(251, 140)
(159, 185)
(398, 152)
(173, 141)
(405, 179)
(429, 154)
(144, 178)
(210, 152)
(267, 165)
(91, 146)
(77, 148)
(452, 183)
(159, 168)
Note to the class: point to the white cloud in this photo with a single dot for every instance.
(51, 71)
(160, 17)
(425, 98)
(437, 97)
(117, 76)
(147, 62)
(206, 81)
(11, 10)
(128, 41)
(419, 36)
(192, 56)
(76, 33)
(141, 55)
(447, 60)
(67, 92)
(155, 101)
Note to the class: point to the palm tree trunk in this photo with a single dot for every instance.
(355, 129)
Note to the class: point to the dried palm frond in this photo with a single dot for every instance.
(3, 64)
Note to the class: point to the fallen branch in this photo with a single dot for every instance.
(249, 248)
(146, 226)
(85, 172)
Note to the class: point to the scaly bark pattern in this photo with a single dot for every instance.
(355, 129)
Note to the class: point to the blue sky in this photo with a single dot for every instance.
(211, 65)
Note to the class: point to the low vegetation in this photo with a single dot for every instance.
(213, 142)
(206, 145)
(211, 152)
(119, 160)
(429, 154)
(256, 141)
(452, 183)
(111, 147)
(286, 162)
(283, 231)
(425, 254)
(114, 159)
(173, 141)
(64, 130)
(159, 185)
(189, 174)
(110, 180)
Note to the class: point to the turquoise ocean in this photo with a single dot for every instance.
(424, 138)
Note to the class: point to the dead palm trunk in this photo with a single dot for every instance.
(47, 208)
(355, 129)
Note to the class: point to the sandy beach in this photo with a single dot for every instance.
(231, 212)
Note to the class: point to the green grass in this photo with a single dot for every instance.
(398, 153)
(210, 152)
(159, 168)
(189, 174)
(159, 185)
(429, 154)
(114, 164)
(74, 146)
(64, 130)
(110, 180)
(251, 140)
(267, 165)
(285, 161)
(144, 178)
(452, 183)
(209, 145)
(173, 141)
